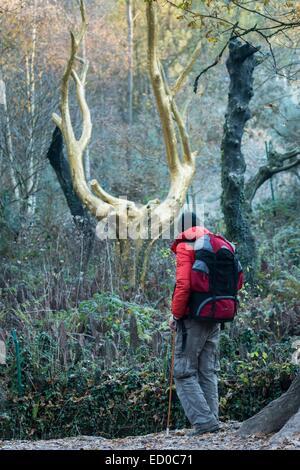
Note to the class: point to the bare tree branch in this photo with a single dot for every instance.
(216, 62)
(265, 172)
(275, 26)
(184, 74)
(162, 100)
(186, 151)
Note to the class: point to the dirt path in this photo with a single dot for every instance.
(226, 439)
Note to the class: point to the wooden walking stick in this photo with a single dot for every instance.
(171, 380)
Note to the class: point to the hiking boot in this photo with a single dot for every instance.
(198, 430)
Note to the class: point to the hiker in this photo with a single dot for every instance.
(204, 296)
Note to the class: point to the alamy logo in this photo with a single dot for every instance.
(150, 225)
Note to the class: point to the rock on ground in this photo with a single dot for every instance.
(225, 439)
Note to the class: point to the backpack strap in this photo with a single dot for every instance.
(182, 240)
(184, 334)
(219, 235)
(212, 281)
(236, 280)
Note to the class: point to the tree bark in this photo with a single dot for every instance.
(240, 65)
(87, 160)
(9, 146)
(290, 430)
(130, 60)
(30, 59)
(274, 416)
(131, 256)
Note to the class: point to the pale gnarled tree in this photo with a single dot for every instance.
(135, 217)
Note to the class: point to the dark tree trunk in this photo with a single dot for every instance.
(240, 65)
(276, 414)
(61, 167)
(80, 216)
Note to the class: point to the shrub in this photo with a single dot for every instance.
(71, 388)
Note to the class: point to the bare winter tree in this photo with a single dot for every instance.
(263, 24)
(133, 253)
(240, 64)
(237, 196)
(27, 96)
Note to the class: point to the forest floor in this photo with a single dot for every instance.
(226, 439)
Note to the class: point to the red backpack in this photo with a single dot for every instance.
(216, 277)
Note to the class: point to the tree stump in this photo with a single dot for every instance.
(289, 431)
(276, 414)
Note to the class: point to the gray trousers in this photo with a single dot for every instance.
(195, 371)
